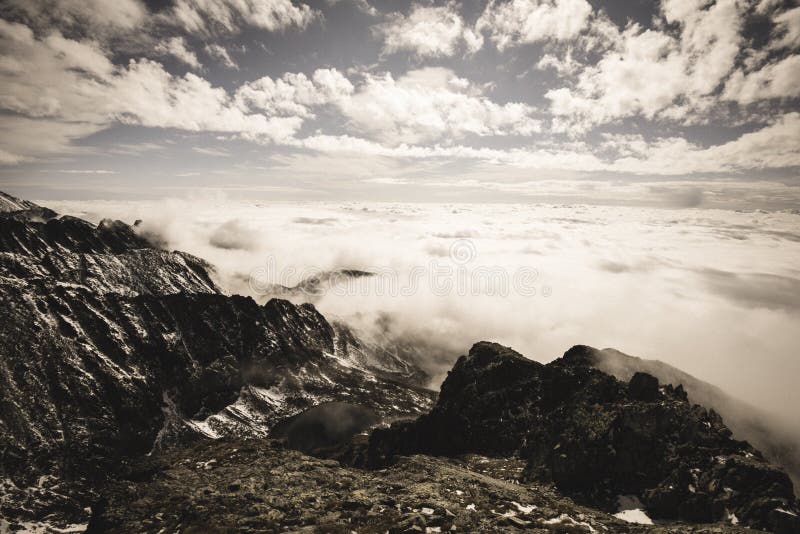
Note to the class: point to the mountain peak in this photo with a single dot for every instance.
(11, 203)
(580, 355)
(595, 437)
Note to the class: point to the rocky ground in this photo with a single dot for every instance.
(260, 486)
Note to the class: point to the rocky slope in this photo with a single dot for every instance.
(597, 439)
(259, 486)
(111, 349)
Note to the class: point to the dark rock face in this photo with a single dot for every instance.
(643, 387)
(596, 438)
(777, 439)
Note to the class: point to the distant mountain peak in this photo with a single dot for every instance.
(12, 203)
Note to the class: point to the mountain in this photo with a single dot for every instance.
(597, 439)
(113, 349)
(9, 203)
(135, 396)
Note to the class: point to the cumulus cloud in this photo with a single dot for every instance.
(528, 21)
(428, 31)
(777, 80)
(431, 104)
(653, 73)
(294, 93)
(565, 65)
(682, 70)
(79, 90)
(772, 146)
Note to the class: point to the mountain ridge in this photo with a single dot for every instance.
(127, 378)
(112, 349)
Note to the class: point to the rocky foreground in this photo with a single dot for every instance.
(135, 396)
(260, 486)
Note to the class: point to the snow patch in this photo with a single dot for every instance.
(524, 509)
(631, 509)
(566, 520)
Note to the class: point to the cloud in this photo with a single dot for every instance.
(207, 151)
(23, 139)
(220, 53)
(79, 91)
(101, 15)
(228, 16)
(528, 21)
(362, 5)
(86, 171)
(233, 235)
(773, 146)
(755, 290)
(432, 104)
(145, 94)
(294, 93)
(563, 66)
(777, 80)
(787, 29)
(428, 31)
(697, 284)
(430, 113)
(176, 47)
(315, 220)
(654, 73)
(386, 181)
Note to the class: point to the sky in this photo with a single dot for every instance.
(678, 103)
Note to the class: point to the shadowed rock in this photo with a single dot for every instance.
(324, 427)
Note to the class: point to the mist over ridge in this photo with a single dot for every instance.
(712, 292)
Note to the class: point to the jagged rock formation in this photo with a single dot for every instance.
(777, 440)
(111, 349)
(597, 438)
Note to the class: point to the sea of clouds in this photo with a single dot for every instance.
(713, 292)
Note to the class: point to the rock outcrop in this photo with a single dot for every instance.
(597, 438)
(777, 438)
